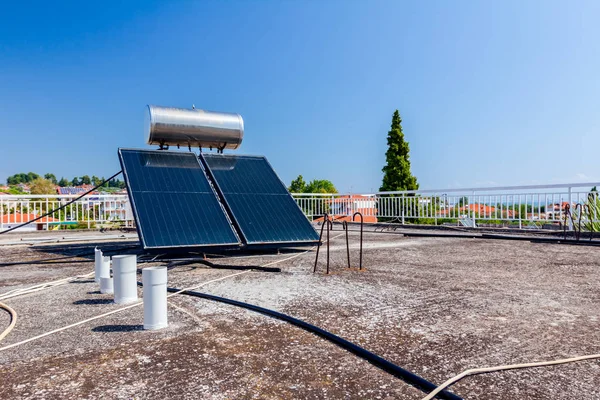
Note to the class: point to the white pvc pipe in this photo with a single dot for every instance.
(124, 274)
(155, 297)
(106, 285)
(97, 262)
(104, 270)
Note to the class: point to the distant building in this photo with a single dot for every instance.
(24, 187)
(11, 220)
(481, 210)
(342, 208)
(556, 211)
(75, 190)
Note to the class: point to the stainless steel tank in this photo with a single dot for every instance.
(193, 127)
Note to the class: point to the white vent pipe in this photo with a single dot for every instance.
(101, 265)
(106, 285)
(124, 275)
(104, 267)
(97, 262)
(155, 297)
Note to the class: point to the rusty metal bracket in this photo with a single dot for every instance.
(567, 216)
(345, 226)
(576, 226)
(361, 236)
(579, 207)
(326, 221)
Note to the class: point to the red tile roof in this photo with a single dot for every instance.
(480, 208)
(348, 218)
(18, 218)
(345, 198)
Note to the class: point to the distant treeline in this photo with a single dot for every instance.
(63, 182)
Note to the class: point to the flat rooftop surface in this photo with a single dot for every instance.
(434, 306)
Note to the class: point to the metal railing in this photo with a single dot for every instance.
(517, 206)
(93, 211)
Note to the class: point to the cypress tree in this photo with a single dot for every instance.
(396, 172)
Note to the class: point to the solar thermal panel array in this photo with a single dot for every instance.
(176, 202)
(259, 202)
(173, 202)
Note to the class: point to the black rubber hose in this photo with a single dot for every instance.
(177, 262)
(399, 372)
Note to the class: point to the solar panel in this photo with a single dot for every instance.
(174, 205)
(259, 203)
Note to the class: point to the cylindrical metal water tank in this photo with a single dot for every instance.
(195, 128)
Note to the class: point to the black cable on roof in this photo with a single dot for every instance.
(393, 369)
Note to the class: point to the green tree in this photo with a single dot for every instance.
(592, 211)
(75, 182)
(396, 172)
(42, 186)
(85, 180)
(298, 185)
(21, 178)
(320, 186)
(51, 178)
(31, 176)
(95, 180)
(63, 182)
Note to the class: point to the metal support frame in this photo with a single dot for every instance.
(361, 237)
(345, 226)
(567, 216)
(572, 225)
(590, 218)
(326, 221)
(579, 207)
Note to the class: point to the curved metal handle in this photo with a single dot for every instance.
(345, 226)
(361, 236)
(326, 221)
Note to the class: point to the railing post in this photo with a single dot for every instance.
(402, 203)
(521, 216)
(434, 198)
(473, 195)
(570, 201)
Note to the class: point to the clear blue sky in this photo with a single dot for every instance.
(491, 93)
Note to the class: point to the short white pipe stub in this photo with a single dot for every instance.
(155, 297)
(106, 285)
(97, 262)
(104, 270)
(124, 275)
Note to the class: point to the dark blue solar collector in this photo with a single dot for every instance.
(259, 204)
(174, 205)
